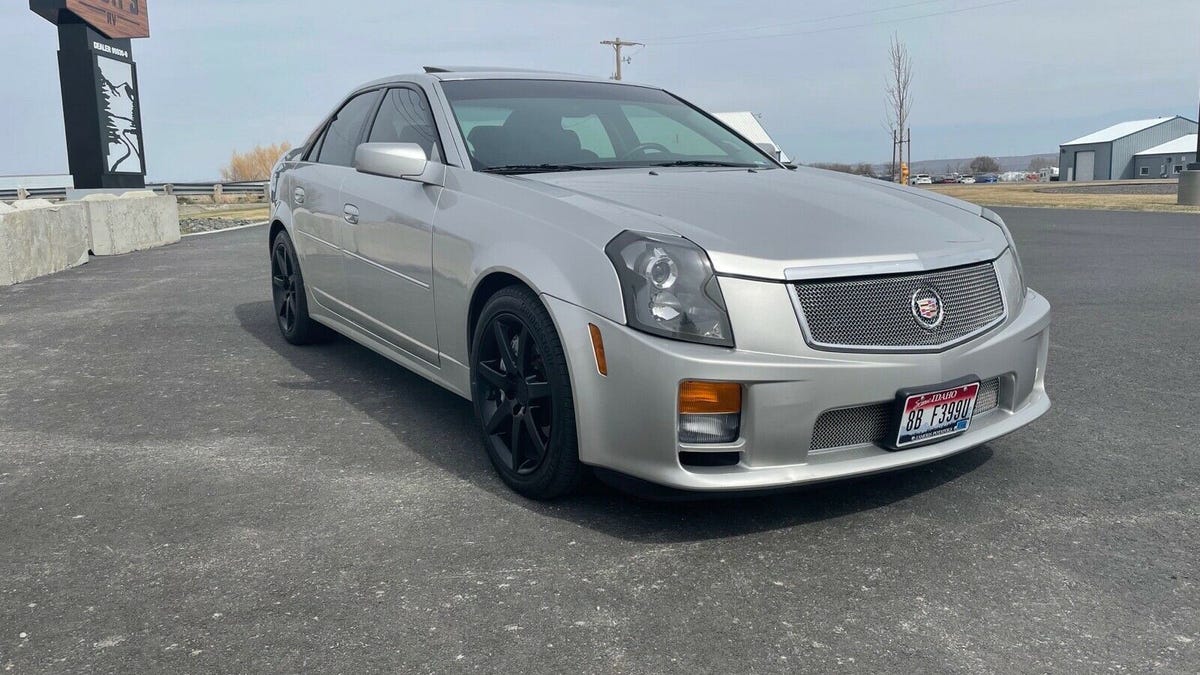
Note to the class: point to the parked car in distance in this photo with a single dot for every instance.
(920, 179)
(967, 180)
(621, 284)
(986, 178)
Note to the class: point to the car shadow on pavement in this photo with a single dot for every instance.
(440, 427)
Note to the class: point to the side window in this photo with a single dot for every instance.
(405, 117)
(310, 155)
(593, 137)
(341, 138)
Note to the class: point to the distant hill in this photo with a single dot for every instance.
(935, 166)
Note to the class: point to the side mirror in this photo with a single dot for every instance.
(393, 160)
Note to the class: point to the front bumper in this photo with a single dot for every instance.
(627, 421)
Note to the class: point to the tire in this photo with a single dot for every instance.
(288, 297)
(521, 389)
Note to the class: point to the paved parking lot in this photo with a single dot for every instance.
(181, 490)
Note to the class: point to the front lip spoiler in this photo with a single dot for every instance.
(656, 492)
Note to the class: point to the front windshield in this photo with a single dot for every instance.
(524, 126)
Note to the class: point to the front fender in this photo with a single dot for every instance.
(485, 226)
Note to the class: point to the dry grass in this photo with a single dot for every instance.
(254, 212)
(1027, 194)
(254, 164)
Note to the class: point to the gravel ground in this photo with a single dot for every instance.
(194, 225)
(180, 490)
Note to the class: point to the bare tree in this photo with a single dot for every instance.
(863, 169)
(1039, 163)
(860, 169)
(899, 89)
(985, 164)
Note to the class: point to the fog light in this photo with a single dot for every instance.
(709, 412)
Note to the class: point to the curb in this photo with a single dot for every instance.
(227, 229)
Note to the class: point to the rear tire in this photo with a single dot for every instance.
(522, 393)
(289, 298)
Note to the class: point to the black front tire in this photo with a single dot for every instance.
(289, 299)
(522, 393)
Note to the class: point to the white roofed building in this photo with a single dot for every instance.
(1167, 160)
(1109, 154)
(749, 128)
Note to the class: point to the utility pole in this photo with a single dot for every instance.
(895, 166)
(1189, 181)
(617, 44)
(901, 140)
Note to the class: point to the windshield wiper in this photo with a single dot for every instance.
(708, 162)
(537, 168)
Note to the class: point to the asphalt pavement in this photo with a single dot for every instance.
(180, 490)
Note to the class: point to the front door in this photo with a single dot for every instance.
(389, 265)
(316, 202)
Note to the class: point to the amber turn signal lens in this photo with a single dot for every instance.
(709, 398)
(598, 348)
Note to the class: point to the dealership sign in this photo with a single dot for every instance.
(101, 105)
(115, 19)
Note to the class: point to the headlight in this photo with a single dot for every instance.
(670, 289)
(1012, 246)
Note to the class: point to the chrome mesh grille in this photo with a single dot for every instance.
(852, 426)
(989, 396)
(869, 423)
(876, 312)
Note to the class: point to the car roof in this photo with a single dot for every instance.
(451, 73)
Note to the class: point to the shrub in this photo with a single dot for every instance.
(254, 164)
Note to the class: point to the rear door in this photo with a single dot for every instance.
(390, 246)
(316, 206)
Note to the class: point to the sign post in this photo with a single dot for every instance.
(101, 105)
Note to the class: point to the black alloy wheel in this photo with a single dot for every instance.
(290, 301)
(283, 283)
(522, 396)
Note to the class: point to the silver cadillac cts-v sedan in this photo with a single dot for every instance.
(619, 281)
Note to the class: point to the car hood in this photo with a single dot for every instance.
(781, 224)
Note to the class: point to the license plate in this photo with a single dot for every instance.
(931, 416)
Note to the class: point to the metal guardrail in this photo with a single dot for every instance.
(178, 189)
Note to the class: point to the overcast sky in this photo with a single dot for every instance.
(991, 77)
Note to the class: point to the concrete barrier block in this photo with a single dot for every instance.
(29, 204)
(5, 208)
(38, 241)
(132, 222)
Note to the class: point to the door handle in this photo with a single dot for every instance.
(350, 213)
(298, 195)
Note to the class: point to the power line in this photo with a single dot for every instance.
(793, 23)
(840, 28)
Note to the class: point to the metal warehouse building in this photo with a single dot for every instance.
(1167, 160)
(1109, 153)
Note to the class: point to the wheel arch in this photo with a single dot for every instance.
(486, 286)
(276, 227)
